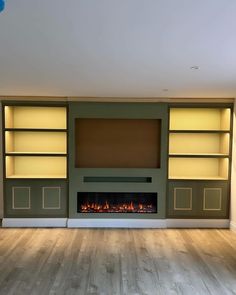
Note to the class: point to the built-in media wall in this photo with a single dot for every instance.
(117, 148)
(119, 161)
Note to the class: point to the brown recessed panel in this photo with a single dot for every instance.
(117, 143)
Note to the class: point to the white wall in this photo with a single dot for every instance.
(1, 172)
(233, 178)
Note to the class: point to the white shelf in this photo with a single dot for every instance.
(36, 153)
(198, 168)
(35, 117)
(197, 178)
(200, 119)
(34, 166)
(199, 154)
(199, 143)
(37, 176)
(35, 142)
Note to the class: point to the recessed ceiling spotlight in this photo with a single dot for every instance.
(194, 68)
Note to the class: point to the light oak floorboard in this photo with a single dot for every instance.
(117, 261)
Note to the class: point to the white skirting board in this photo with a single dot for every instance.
(149, 223)
(34, 222)
(197, 223)
(117, 223)
(233, 225)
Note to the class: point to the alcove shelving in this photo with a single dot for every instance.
(35, 141)
(199, 161)
(199, 143)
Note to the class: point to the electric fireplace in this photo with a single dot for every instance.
(116, 202)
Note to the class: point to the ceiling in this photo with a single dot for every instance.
(118, 48)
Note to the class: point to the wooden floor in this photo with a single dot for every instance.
(117, 261)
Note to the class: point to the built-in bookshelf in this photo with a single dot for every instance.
(199, 143)
(35, 141)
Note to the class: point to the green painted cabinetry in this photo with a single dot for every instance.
(198, 199)
(192, 178)
(199, 160)
(35, 159)
(35, 198)
(95, 179)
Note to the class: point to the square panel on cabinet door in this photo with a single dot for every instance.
(182, 201)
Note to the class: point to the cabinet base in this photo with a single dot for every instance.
(118, 223)
(34, 222)
(148, 223)
(197, 223)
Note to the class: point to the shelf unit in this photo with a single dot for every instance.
(35, 141)
(35, 159)
(199, 161)
(199, 143)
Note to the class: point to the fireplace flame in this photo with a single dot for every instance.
(117, 208)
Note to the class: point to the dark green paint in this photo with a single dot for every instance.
(198, 187)
(21, 197)
(212, 199)
(36, 198)
(76, 175)
(52, 197)
(118, 179)
(183, 198)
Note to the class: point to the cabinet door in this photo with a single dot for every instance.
(35, 198)
(18, 199)
(198, 199)
(214, 198)
(51, 198)
(182, 202)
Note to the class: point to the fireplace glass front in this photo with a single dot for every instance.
(116, 202)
